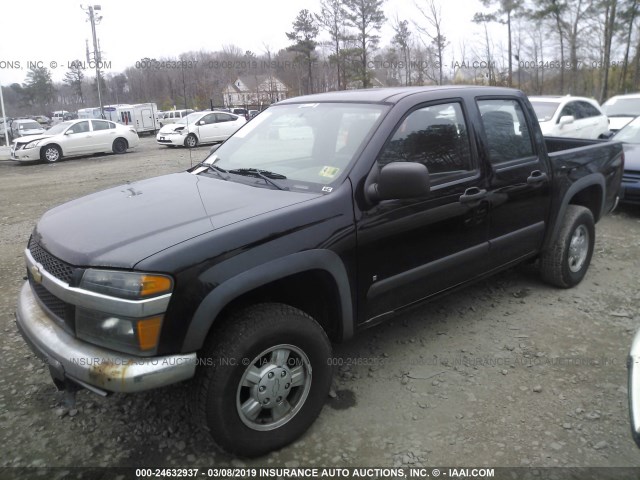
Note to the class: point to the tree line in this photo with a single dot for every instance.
(578, 47)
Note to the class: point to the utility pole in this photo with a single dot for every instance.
(4, 119)
(91, 13)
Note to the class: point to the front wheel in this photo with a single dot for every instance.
(50, 153)
(263, 379)
(565, 263)
(191, 141)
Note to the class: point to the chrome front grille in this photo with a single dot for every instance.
(56, 267)
(61, 312)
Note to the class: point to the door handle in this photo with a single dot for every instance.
(472, 194)
(537, 177)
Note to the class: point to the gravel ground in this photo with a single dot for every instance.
(508, 372)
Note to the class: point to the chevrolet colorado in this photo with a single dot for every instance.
(324, 215)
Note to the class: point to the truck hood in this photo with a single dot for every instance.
(616, 123)
(121, 226)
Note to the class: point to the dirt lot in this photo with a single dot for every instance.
(509, 372)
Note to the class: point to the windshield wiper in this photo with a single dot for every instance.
(266, 175)
(217, 170)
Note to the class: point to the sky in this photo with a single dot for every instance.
(53, 33)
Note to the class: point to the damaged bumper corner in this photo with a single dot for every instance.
(95, 368)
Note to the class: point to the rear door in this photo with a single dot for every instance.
(410, 249)
(103, 135)
(595, 123)
(226, 125)
(519, 194)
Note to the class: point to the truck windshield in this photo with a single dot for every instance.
(308, 144)
(544, 110)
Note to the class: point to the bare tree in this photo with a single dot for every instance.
(628, 15)
(332, 19)
(553, 10)
(433, 16)
(610, 17)
(503, 14)
(402, 38)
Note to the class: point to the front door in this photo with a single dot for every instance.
(411, 249)
(78, 139)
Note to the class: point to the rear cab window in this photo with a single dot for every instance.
(507, 132)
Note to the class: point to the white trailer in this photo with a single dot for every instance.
(143, 117)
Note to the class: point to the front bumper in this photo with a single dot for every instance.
(170, 139)
(94, 367)
(633, 364)
(22, 155)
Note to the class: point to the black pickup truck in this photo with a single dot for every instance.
(324, 215)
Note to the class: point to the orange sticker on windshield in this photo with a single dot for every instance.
(329, 172)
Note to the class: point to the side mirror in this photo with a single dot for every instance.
(201, 122)
(400, 180)
(566, 120)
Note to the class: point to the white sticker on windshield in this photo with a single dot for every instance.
(308, 105)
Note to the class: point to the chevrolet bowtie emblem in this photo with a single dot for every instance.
(35, 273)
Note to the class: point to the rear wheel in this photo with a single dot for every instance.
(50, 153)
(254, 390)
(120, 145)
(191, 141)
(566, 262)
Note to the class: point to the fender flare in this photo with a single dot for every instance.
(579, 185)
(248, 280)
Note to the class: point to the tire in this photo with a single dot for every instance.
(50, 153)
(191, 141)
(250, 410)
(120, 146)
(565, 263)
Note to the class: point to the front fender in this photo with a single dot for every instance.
(263, 274)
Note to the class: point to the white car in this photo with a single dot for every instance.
(73, 138)
(200, 127)
(621, 109)
(575, 117)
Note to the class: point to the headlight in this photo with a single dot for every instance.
(33, 144)
(138, 336)
(129, 285)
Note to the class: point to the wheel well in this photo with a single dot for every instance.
(590, 197)
(51, 145)
(314, 292)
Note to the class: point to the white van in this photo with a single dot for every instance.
(172, 116)
(60, 116)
